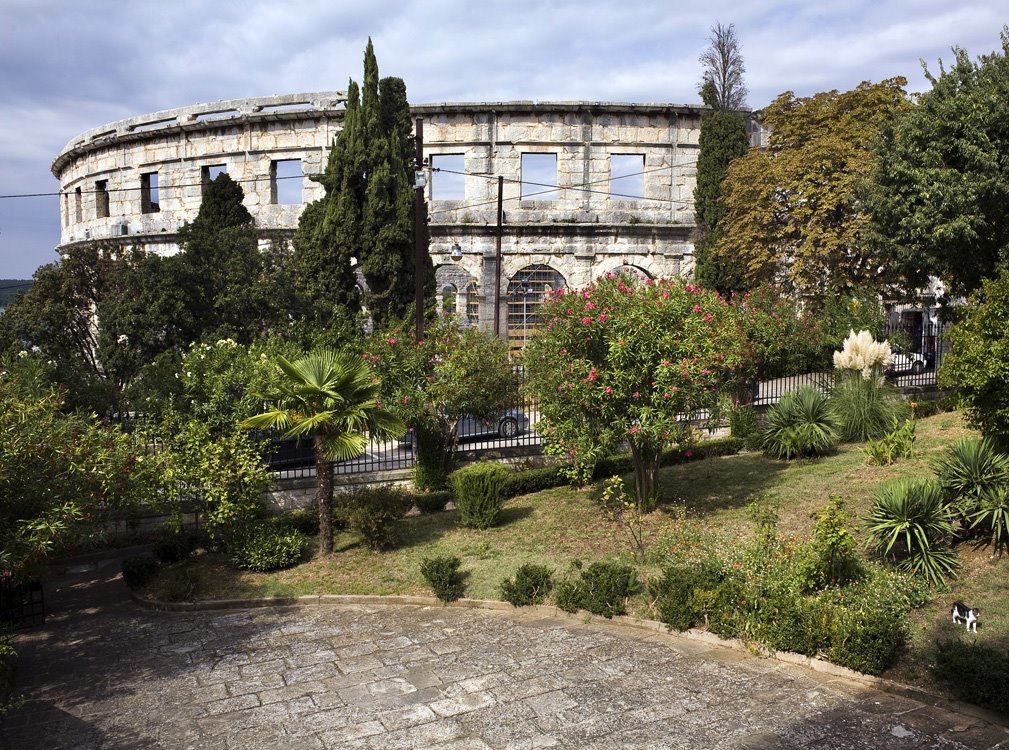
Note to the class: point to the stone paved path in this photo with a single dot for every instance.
(400, 676)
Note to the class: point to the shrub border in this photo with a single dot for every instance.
(621, 622)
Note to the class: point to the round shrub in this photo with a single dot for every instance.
(602, 589)
(139, 569)
(479, 493)
(988, 669)
(305, 521)
(373, 511)
(444, 577)
(264, 548)
(530, 585)
(174, 546)
(802, 423)
(686, 596)
(432, 502)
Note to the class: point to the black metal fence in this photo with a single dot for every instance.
(918, 352)
(22, 603)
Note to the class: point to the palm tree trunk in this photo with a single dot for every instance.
(324, 495)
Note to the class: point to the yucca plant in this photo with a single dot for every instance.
(968, 471)
(910, 522)
(800, 424)
(993, 516)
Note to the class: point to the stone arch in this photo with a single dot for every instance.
(524, 295)
(453, 277)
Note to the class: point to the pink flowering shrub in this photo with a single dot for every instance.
(651, 357)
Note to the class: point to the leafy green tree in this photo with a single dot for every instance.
(332, 399)
(223, 271)
(723, 138)
(941, 182)
(54, 317)
(62, 473)
(621, 362)
(367, 212)
(792, 210)
(431, 385)
(976, 364)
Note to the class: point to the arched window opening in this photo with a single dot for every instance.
(526, 291)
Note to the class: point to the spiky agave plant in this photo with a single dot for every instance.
(969, 470)
(802, 423)
(910, 522)
(992, 517)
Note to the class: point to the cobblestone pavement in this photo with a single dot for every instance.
(406, 676)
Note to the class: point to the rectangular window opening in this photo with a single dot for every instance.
(101, 199)
(448, 179)
(539, 177)
(627, 177)
(150, 200)
(78, 208)
(209, 173)
(286, 180)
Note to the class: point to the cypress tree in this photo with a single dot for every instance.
(367, 212)
(723, 138)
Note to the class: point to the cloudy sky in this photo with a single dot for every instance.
(69, 66)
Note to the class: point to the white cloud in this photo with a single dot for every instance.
(70, 67)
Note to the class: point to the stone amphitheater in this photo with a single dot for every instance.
(586, 187)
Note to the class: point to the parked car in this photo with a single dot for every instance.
(509, 424)
(909, 362)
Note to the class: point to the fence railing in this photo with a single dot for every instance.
(918, 352)
(917, 357)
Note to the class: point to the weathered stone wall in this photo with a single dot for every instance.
(581, 231)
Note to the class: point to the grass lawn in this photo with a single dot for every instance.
(555, 527)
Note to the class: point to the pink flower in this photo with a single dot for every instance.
(590, 305)
(391, 340)
(688, 453)
(697, 308)
(586, 321)
(609, 391)
(675, 389)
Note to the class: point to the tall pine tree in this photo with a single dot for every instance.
(367, 212)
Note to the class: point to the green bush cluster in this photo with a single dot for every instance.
(530, 585)
(444, 577)
(433, 501)
(264, 547)
(304, 521)
(974, 672)
(528, 481)
(175, 545)
(601, 589)
(373, 512)
(897, 443)
(810, 598)
(139, 569)
(479, 493)
(910, 522)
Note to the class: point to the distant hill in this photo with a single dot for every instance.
(10, 287)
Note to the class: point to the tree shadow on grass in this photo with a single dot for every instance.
(715, 484)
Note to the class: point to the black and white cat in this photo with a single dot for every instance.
(966, 615)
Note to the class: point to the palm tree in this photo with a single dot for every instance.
(332, 398)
